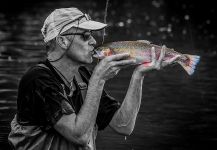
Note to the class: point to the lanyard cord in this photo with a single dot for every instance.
(71, 41)
(69, 83)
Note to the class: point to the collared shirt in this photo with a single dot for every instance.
(43, 98)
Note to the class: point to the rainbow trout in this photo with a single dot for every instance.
(141, 52)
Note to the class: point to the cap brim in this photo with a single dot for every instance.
(91, 25)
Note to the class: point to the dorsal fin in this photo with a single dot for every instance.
(144, 41)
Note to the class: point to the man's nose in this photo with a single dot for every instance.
(92, 41)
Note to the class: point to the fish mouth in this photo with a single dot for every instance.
(97, 54)
(101, 52)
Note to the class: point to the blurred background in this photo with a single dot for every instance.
(178, 112)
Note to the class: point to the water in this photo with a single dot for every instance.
(178, 111)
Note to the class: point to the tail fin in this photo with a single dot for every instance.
(191, 64)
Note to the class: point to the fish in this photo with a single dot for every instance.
(140, 50)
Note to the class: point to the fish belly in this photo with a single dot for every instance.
(141, 56)
(144, 56)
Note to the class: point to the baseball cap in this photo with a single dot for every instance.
(61, 20)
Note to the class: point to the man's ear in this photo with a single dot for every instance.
(63, 42)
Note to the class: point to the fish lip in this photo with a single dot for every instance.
(97, 54)
(96, 50)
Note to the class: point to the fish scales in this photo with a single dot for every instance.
(141, 52)
(137, 48)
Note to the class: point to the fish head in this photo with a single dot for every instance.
(102, 52)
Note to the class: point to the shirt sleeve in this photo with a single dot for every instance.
(107, 108)
(53, 99)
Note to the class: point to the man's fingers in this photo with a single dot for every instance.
(159, 61)
(117, 69)
(117, 57)
(173, 59)
(170, 60)
(124, 62)
(162, 53)
(153, 55)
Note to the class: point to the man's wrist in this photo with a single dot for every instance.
(138, 75)
(96, 81)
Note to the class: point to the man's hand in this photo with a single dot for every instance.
(154, 64)
(111, 65)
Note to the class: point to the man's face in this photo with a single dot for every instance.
(81, 46)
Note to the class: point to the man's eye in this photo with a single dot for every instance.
(86, 35)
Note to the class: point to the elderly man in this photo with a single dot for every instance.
(60, 104)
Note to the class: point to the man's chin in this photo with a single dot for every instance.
(88, 61)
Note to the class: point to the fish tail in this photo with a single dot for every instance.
(190, 64)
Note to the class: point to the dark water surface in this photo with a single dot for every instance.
(178, 112)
